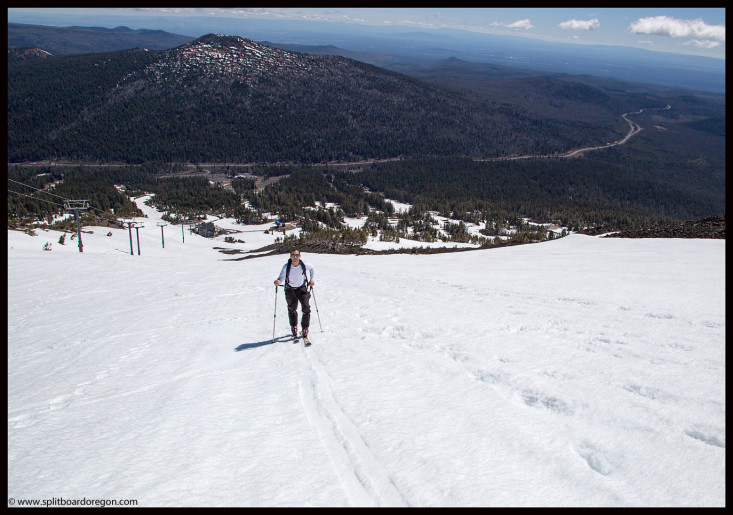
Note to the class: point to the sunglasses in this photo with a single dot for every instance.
(294, 255)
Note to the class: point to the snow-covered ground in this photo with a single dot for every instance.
(577, 372)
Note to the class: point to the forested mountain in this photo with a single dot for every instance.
(229, 99)
(81, 40)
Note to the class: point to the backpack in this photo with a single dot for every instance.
(287, 273)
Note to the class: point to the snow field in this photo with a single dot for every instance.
(576, 372)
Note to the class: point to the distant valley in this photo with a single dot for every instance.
(401, 51)
(423, 132)
(80, 40)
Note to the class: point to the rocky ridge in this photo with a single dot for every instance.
(232, 58)
(711, 227)
(18, 54)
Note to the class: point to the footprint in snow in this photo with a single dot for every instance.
(59, 402)
(661, 316)
(595, 459)
(707, 436)
(21, 421)
(539, 400)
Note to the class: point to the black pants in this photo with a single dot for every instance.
(292, 297)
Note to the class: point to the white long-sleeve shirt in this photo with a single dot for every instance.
(296, 278)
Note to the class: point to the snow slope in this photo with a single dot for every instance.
(576, 372)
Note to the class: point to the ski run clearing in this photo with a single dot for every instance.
(580, 371)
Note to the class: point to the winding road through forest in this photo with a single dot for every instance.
(634, 128)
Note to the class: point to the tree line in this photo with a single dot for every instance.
(39, 193)
(599, 189)
(628, 187)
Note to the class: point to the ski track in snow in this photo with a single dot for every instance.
(362, 476)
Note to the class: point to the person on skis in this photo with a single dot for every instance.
(296, 282)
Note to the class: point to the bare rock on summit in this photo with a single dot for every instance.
(19, 54)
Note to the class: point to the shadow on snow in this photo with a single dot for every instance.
(247, 346)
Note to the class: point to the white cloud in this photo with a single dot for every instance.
(673, 27)
(593, 24)
(520, 25)
(703, 44)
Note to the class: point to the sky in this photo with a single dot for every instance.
(697, 31)
(582, 371)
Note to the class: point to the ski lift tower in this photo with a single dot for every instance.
(130, 224)
(183, 234)
(162, 236)
(76, 206)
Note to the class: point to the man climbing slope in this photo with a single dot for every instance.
(296, 282)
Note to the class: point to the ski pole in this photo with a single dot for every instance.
(274, 319)
(317, 313)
